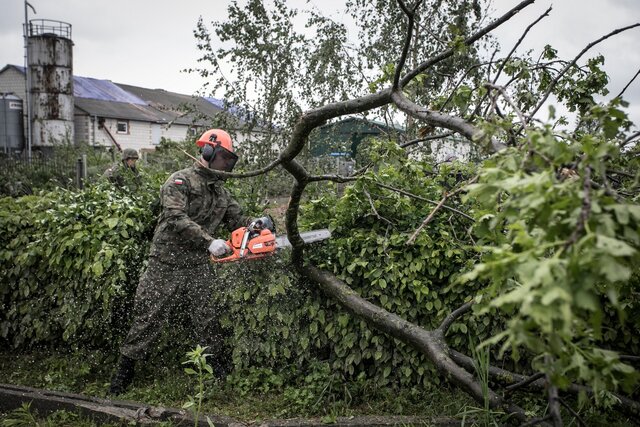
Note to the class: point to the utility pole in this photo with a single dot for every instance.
(27, 97)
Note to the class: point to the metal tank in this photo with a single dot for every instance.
(50, 60)
(11, 124)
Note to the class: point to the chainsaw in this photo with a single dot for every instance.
(252, 242)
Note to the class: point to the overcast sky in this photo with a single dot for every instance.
(148, 42)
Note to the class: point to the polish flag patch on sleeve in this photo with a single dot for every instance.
(178, 181)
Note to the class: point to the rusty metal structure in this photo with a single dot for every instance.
(50, 82)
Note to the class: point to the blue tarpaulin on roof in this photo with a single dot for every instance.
(215, 101)
(85, 87)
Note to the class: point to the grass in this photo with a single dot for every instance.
(247, 396)
(250, 396)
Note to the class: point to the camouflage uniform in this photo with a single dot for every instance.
(179, 274)
(122, 176)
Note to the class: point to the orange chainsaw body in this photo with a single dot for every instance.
(247, 243)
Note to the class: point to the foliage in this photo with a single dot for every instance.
(69, 262)
(292, 323)
(560, 256)
(203, 373)
(382, 28)
(550, 255)
(318, 392)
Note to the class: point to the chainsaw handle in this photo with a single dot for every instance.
(231, 257)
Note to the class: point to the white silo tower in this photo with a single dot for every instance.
(50, 60)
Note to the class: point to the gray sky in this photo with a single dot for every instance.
(148, 42)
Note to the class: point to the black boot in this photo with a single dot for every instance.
(123, 376)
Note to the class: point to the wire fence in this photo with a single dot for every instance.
(21, 176)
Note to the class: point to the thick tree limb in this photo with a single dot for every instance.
(454, 123)
(429, 343)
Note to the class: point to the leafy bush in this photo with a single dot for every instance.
(68, 262)
(279, 319)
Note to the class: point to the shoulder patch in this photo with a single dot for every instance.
(178, 181)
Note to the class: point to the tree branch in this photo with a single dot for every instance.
(508, 378)
(373, 208)
(552, 393)
(467, 42)
(446, 323)
(628, 84)
(411, 14)
(415, 196)
(506, 97)
(574, 413)
(520, 40)
(554, 82)
(525, 383)
(445, 196)
(584, 212)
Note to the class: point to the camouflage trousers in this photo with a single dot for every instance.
(165, 290)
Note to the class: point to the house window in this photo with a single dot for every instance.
(193, 131)
(122, 126)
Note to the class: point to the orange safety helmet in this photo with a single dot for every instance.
(216, 138)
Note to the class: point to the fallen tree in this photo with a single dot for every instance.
(557, 227)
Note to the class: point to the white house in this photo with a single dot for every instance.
(113, 114)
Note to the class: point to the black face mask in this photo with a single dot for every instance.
(219, 158)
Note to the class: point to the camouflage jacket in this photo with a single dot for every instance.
(194, 203)
(122, 176)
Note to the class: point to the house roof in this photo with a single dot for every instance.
(117, 100)
(121, 110)
(184, 109)
(103, 90)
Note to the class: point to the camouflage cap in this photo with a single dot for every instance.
(129, 153)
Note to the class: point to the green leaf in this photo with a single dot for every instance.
(613, 246)
(113, 222)
(614, 271)
(97, 268)
(386, 372)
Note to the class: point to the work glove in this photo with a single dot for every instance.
(218, 247)
(265, 222)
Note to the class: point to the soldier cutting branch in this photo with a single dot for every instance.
(179, 276)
